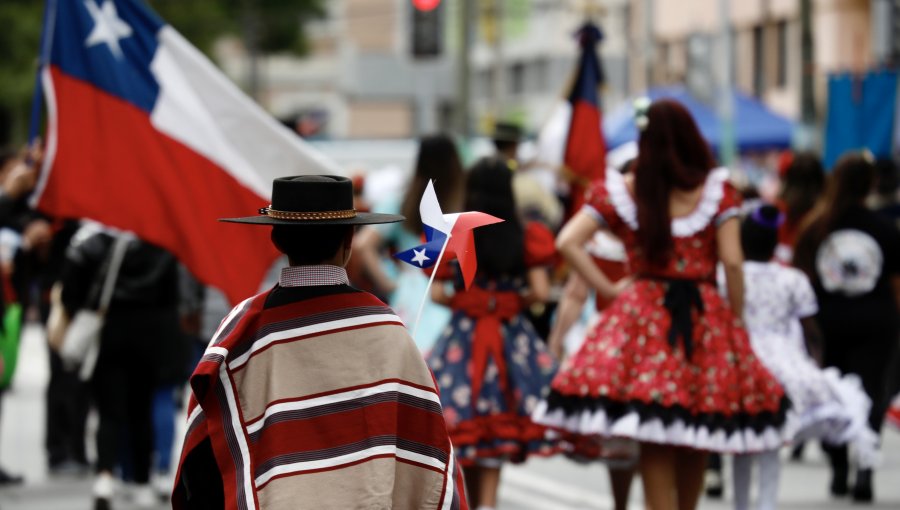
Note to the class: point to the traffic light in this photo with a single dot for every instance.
(427, 28)
(425, 5)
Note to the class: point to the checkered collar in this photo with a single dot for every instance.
(310, 276)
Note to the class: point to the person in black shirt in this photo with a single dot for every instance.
(852, 256)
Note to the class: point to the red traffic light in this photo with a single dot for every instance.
(425, 5)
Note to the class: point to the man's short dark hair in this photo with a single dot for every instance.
(309, 245)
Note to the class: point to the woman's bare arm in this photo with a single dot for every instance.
(728, 239)
(570, 305)
(570, 244)
(538, 286)
(367, 245)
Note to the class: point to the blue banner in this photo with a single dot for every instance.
(861, 111)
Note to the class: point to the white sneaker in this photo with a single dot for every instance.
(162, 483)
(104, 486)
(144, 496)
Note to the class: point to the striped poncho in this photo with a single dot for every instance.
(315, 397)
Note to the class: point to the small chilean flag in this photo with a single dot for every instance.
(146, 135)
(585, 153)
(446, 231)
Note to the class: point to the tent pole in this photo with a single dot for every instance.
(725, 103)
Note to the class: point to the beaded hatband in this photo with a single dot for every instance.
(304, 216)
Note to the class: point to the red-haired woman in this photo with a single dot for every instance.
(669, 365)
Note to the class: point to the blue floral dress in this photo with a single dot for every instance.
(493, 369)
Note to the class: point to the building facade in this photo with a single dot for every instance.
(361, 78)
(681, 42)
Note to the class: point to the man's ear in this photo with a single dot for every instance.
(348, 237)
(348, 243)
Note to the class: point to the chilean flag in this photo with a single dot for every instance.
(446, 231)
(145, 134)
(585, 151)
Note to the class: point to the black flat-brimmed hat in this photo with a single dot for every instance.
(313, 200)
(507, 132)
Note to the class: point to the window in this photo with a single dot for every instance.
(540, 69)
(759, 62)
(517, 78)
(484, 83)
(665, 61)
(781, 72)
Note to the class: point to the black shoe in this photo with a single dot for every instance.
(102, 504)
(8, 479)
(839, 487)
(797, 452)
(714, 486)
(862, 489)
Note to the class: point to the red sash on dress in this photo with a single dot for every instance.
(488, 309)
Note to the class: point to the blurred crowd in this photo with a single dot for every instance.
(815, 251)
(809, 263)
(155, 327)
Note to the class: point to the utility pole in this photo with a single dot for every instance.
(250, 21)
(727, 146)
(882, 21)
(464, 82)
(806, 138)
(648, 45)
(499, 89)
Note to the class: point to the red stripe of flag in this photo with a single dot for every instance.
(119, 182)
(585, 155)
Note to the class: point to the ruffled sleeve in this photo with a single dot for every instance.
(803, 297)
(597, 203)
(730, 205)
(540, 246)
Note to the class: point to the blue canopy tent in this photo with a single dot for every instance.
(756, 127)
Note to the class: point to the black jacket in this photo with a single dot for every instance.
(148, 277)
(142, 321)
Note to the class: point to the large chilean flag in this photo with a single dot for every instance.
(145, 134)
(585, 153)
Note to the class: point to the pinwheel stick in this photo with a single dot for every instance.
(426, 297)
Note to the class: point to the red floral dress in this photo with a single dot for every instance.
(668, 363)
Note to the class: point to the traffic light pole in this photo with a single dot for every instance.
(464, 124)
(727, 146)
(499, 65)
(806, 138)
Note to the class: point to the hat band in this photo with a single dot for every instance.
(308, 215)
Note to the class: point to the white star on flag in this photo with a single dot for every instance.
(108, 26)
(420, 257)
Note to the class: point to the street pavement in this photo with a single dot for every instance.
(540, 484)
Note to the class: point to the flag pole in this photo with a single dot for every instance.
(37, 99)
(425, 297)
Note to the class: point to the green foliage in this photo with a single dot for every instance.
(278, 23)
(200, 21)
(19, 41)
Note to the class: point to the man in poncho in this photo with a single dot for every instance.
(312, 394)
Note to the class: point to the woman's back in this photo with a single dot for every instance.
(693, 252)
(850, 253)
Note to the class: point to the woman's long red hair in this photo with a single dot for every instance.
(672, 155)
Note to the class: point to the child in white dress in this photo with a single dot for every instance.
(779, 305)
